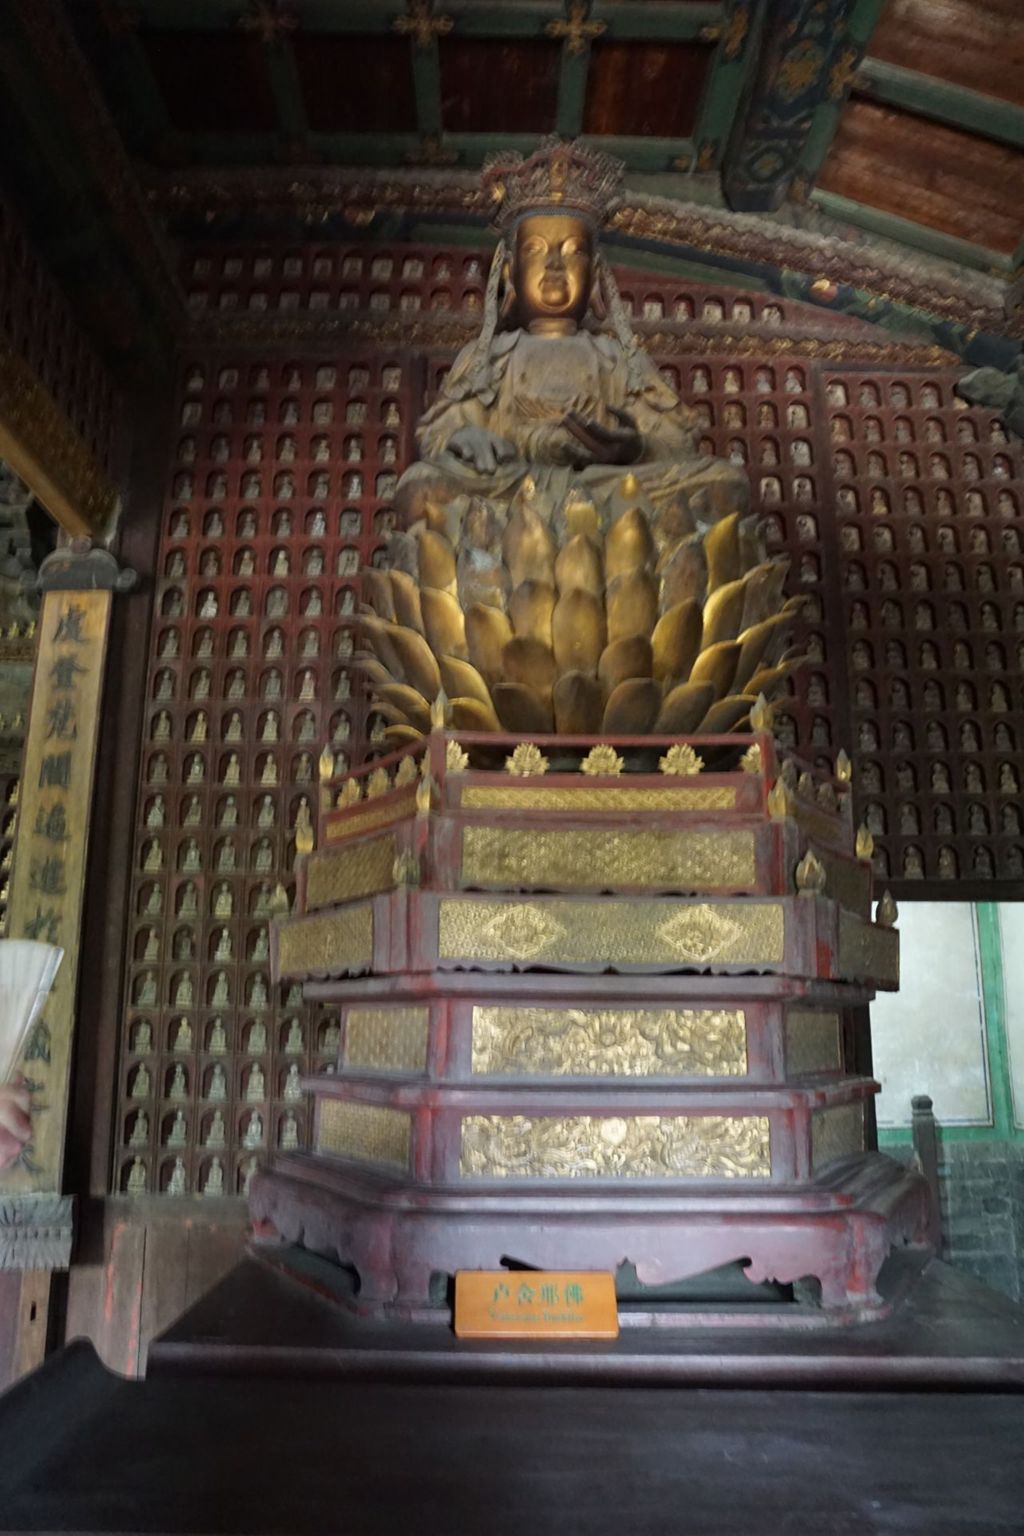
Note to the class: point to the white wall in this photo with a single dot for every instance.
(929, 1037)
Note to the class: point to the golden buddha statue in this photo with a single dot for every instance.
(569, 559)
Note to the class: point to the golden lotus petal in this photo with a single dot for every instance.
(401, 735)
(472, 714)
(683, 708)
(521, 710)
(723, 612)
(419, 665)
(381, 636)
(683, 572)
(377, 592)
(578, 631)
(676, 640)
(764, 592)
(722, 548)
(531, 663)
(529, 547)
(579, 566)
(632, 605)
(766, 680)
(405, 595)
(437, 561)
(462, 680)
(628, 545)
(581, 517)
(727, 715)
(757, 643)
(578, 700)
(716, 664)
(623, 659)
(632, 708)
(373, 669)
(530, 608)
(443, 623)
(488, 631)
(413, 706)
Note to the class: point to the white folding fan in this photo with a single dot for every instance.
(27, 970)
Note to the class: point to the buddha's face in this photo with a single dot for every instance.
(552, 270)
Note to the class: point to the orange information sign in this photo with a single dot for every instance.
(535, 1303)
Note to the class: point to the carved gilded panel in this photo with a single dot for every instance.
(812, 1042)
(342, 941)
(539, 797)
(867, 950)
(398, 805)
(610, 1042)
(614, 933)
(369, 1133)
(614, 1147)
(360, 871)
(836, 1133)
(387, 1039)
(592, 856)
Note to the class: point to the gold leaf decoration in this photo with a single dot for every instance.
(379, 783)
(526, 761)
(424, 795)
(602, 762)
(326, 765)
(887, 911)
(844, 767)
(750, 762)
(349, 793)
(681, 761)
(613, 1146)
(761, 714)
(865, 844)
(439, 712)
(778, 800)
(406, 772)
(810, 874)
(456, 758)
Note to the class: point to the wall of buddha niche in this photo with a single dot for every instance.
(900, 513)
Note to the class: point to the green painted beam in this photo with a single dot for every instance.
(730, 78)
(906, 232)
(643, 155)
(860, 26)
(572, 91)
(651, 19)
(283, 74)
(952, 104)
(426, 81)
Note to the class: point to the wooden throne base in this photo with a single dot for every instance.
(590, 1018)
(403, 1244)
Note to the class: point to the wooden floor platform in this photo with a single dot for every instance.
(945, 1330)
(268, 1410)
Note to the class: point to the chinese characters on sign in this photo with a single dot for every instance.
(49, 865)
(523, 1304)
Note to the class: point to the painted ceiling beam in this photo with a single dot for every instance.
(938, 99)
(809, 52)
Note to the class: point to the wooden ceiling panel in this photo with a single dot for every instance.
(637, 88)
(499, 87)
(212, 82)
(941, 177)
(974, 43)
(355, 84)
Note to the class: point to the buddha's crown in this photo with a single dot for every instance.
(566, 176)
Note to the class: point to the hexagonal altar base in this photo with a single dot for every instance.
(590, 1019)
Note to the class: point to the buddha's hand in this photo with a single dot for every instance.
(606, 445)
(480, 449)
(15, 1123)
